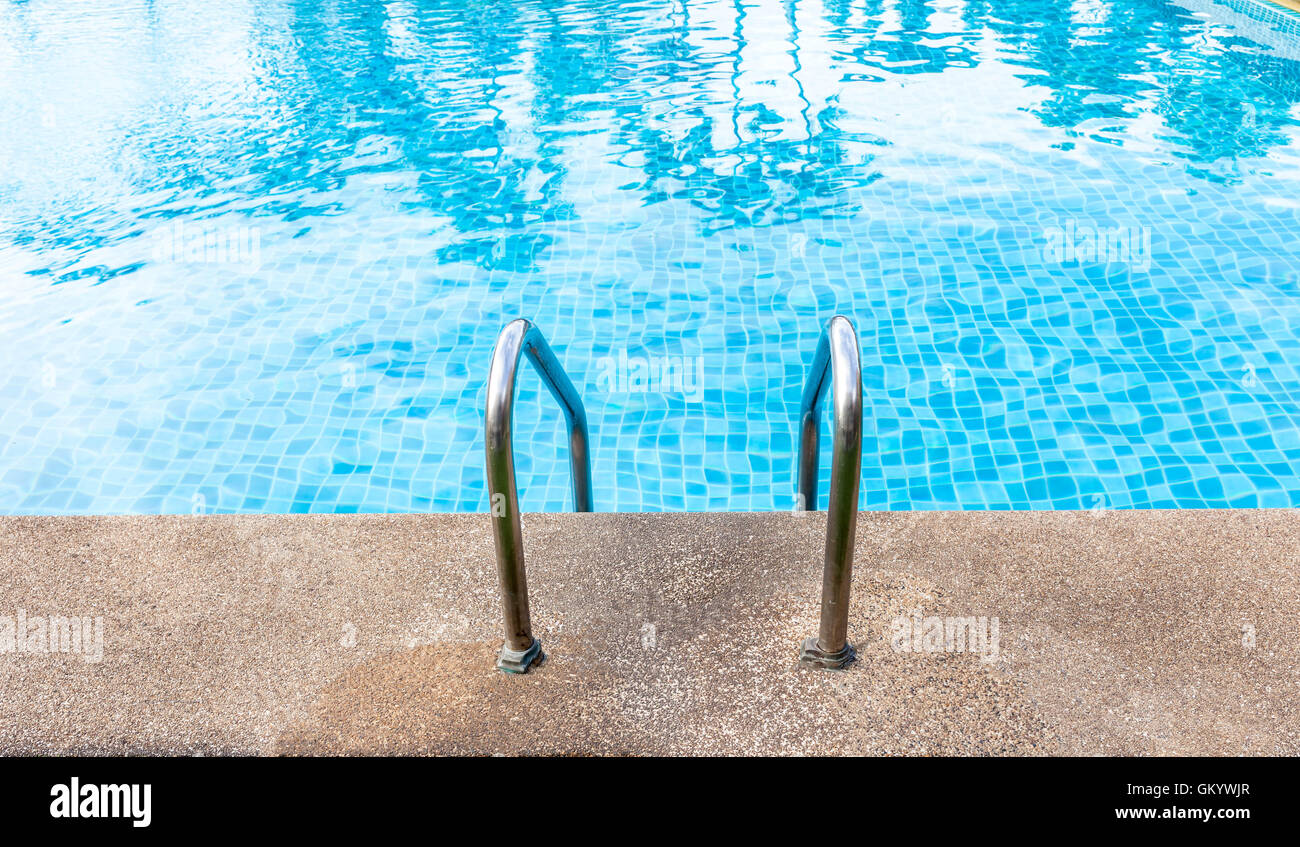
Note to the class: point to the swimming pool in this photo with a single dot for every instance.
(255, 254)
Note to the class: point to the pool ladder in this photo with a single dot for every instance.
(836, 367)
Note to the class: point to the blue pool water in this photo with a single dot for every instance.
(254, 253)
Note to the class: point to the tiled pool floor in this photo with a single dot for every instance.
(1066, 233)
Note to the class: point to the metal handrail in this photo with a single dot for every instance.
(837, 356)
(521, 649)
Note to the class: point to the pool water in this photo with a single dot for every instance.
(254, 255)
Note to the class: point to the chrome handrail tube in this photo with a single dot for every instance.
(837, 366)
(520, 337)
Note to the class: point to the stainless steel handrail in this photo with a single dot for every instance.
(521, 649)
(837, 357)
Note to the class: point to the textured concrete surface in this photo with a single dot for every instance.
(1120, 633)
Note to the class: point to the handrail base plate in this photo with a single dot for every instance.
(519, 661)
(811, 654)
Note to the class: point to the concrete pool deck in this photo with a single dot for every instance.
(1120, 633)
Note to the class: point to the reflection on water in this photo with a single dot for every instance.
(664, 179)
(756, 113)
